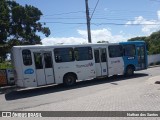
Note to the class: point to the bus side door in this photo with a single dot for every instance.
(44, 67)
(100, 61)
(142, 63)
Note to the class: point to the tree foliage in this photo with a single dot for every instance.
(4, 28)
(102, 41)
(153, 42)
(4, 21)
(19, 25)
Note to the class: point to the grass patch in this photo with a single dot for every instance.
(5, 65)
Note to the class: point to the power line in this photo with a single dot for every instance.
(102, 23)
(65, 13)
(98, 18)
(118, 24)
(74, 12)
(62, 22)
(94, 10)
(114, 16)
(98, 15)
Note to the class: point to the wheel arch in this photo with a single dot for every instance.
(130, 65)
(70, 73)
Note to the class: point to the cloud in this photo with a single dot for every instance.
(63, 40)
(106, 9)
(158, 14)
(148, 26)
(97, 35)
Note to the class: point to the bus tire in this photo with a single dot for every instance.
(129, 71)
(69, 80)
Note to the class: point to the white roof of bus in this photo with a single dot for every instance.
(63, 45)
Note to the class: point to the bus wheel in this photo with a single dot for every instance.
(129, 71)
(69, 80)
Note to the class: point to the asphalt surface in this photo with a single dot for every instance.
(117, 93)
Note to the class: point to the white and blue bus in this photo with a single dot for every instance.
(39, 65)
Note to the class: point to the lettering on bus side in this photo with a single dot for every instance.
(29, 71)
(85, 65)
(131, 58)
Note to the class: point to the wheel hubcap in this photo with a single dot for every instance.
(130, 71)
(70, 80)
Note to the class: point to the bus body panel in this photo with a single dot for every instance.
(115, 60)
(85, 69)
(17, 61)
(82, 69)
(115, 66)
(61, 69)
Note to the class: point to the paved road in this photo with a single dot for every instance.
(117, 93)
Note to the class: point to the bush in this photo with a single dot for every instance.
(5, 65)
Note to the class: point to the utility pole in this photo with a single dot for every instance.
(88, 22)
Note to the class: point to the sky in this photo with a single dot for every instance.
(112, 20)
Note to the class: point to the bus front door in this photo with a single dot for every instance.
(44, 68)
(100, 61)
(141, 57)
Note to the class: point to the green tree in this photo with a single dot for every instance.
(25, 25)
(4, 28)
(19, 25)
(152, 41)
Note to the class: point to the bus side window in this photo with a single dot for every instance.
(57, 57)
(83, 53)
(129, 50)
(103, 55)
(76, 54)
(27, 58)
(96, 55)
(38, 60)
(64, 55)
(48, 60)
(115, 51)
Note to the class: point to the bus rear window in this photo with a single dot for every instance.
(27, 58)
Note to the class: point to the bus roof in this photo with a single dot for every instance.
(133, 42)
(62, 45)
(76, 45)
